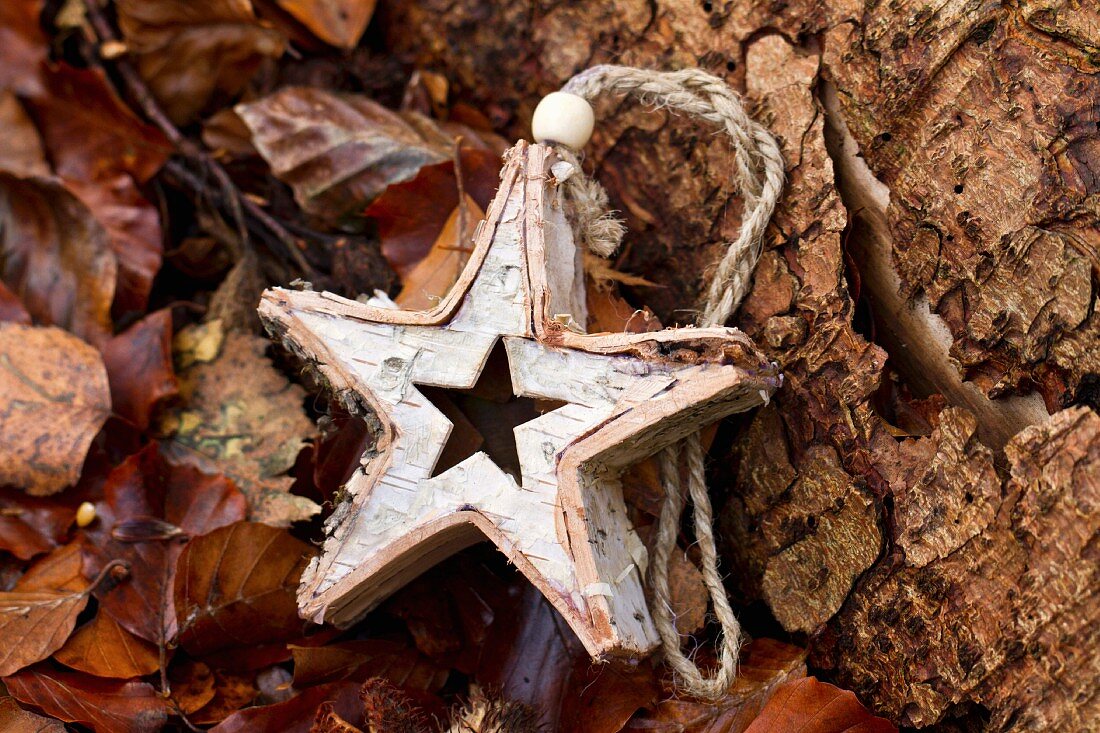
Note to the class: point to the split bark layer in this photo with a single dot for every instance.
(928, 288)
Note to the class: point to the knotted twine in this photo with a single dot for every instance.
(760, 172)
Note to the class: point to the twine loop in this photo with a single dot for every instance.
(760, 171)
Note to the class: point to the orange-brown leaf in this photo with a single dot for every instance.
(56, 257)
(196, 53)
(358, 660)
(53, 399)
(431, 279)
(102, 152)
(31, 525)
(236, 587)
(103, 648)
(296, 714)
(231, 693)
(61, 570)
(23, 46)
(104, 705)
(21, 151)
(35, 624)
(337, 22)
(810, 706)
(139, 367)
(14, 719)
(193, 684)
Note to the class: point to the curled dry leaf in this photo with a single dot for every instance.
(21, 150)
(103, 648)
(241, 417)
(338, 152)
(139, 367)
(102, 152)
(237, 587)
(358, 660)
(337, 22)
(36, 624)
(151, 506)
(54, 398)
(765, 665)
(411, 214)
(296, 714)
(809, 706)
(55, 257)
(14, 719)
(29, 525)
(195, 53)
(103, 705)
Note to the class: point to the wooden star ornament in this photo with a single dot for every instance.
(563, 523)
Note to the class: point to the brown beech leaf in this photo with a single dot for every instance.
(11, 309)
(231, 693)
(61, 570)
(56, 257)
(182, 502)
(239, 416)
(196, 54)
(237, 586)
(29, 525)
(36, 624)
(359, 660)
(23, 47)
(54, 398)
(339, 23)
(102, 152)
(104, 705)
(139, 367)
(431, 279)
(411, 214)
(337, 152)
(809, 706)
(103, 648)
(192, 683)
(765, 665)
(296, 714)
(14, 719)
(21, 151)
(603, 697)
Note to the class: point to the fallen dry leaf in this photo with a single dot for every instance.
(103, 705)
(240, 416)
(231, 693)
(36, 623)
(61, 570)
(23, 48)
(192, 683)
(359, 660)
(21, 151)
(411, 214)
(431, 278)
(603, 697)
(687, 594)
(237, 586)
(338, 152)
(194, 54)
(103, 648)
(150, 491)
(11, 309)
(765, 665)
(55, 257)
(810, 706)
(14, 719)
(339, 23)
(102, 152)
(296, 714)
(139, 367)
(30, 525)
(54, 397)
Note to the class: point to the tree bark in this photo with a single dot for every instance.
(919, 502)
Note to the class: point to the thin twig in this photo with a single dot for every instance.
(239, 207)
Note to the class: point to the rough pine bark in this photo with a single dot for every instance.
(919, 503)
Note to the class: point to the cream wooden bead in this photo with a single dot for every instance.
(563, 118)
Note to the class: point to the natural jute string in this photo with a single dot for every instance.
(760, 169)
